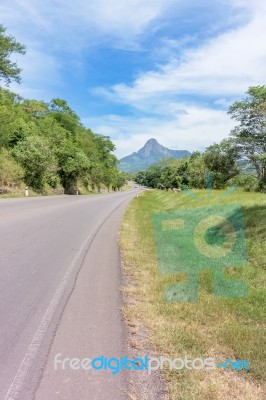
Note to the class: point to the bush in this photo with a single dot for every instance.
(11, 173)
(38, 161)
(262, 185)
(249, 183)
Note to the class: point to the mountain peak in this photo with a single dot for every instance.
(151, 141)
(150, 153)
(150, 147)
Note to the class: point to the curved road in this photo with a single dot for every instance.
(59, 293)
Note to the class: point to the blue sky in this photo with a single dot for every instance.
(138, 69)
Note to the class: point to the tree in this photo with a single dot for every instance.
(103, 168)
(11, 173)
(73, 165)
(250, 135)
(8, 69)
(37, 159)
(52, 146)
(153, 176)
(140, 178)
(220, 159)
(15, 124)
(118, 180)
(65, 117)
(196, 170)
(121, 180)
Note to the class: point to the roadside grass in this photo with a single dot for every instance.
(20, 192)
(223, 328)
(16, 193)
(48, 191)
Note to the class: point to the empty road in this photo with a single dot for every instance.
(59, 293)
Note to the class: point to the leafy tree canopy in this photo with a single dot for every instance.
(250, 135)
(8, 46)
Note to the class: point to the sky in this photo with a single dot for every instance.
(140, 69)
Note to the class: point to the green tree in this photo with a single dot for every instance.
(220, 159)
(37, 159)
(153, 176)
(140, 178)
(65, 117)
(11, 173)
(8, 69)
(196, 170)
(118, 180)
(103, 164)
(73, 165)
(250, 135)
(18, 118)
(51, 145)
(182, 172)
(121, 180)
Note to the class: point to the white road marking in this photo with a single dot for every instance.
(31, 354)
(34, 347)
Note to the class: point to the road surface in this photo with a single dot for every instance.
(59, 293)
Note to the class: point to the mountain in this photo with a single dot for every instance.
(152, 152)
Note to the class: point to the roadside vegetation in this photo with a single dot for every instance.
(219, 327)
(239, 160)
(44, 145)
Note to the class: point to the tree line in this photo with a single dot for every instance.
(45, 145)
(240, 159)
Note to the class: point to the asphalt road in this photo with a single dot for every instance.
(59, 293)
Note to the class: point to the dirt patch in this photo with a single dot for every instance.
(142, 385)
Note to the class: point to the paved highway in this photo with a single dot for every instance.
(59, 293)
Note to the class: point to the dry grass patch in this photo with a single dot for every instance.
(219, 327)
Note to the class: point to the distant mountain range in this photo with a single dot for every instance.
(151, 153)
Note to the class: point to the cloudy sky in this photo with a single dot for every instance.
(137, 69)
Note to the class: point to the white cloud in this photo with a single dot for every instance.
(83, 22)
(221, 68)
(192, 130)
(219, 71)
(59, 30)
(121, 19)
(39, 73)
(224, 66)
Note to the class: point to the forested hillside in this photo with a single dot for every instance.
(44, 145)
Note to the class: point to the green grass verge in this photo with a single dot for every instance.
(224, 328)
